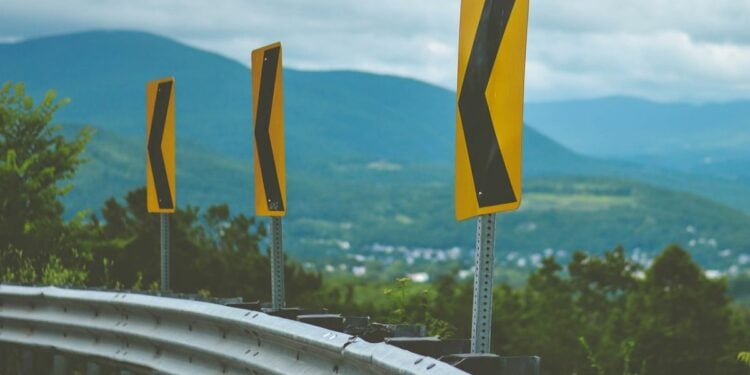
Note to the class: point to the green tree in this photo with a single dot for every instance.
(36, 161)
(540, 319)
(213, 252)
(599, 315)
(601, 285)
(681, 319)
(415, 305)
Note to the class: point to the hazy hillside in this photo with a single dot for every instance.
(341, 208)
(706, 138)
(328, 114)
(620, 126)
(105, 73)
(116, 164)
(558, 216)
(370, 157)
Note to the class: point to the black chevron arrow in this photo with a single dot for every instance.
(155, 155)
(262, 125)
(490, 175)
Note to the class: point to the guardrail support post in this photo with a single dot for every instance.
(59, 364)
(4, 365)
(484, 267)
(277, 265)
(93, 369)
(27, 362)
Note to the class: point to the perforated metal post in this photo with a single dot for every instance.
(277, 265)
(164, 252)
(60, 365)
(484, 266)
(27, 362)
(93, 369)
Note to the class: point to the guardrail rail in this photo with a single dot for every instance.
(146, 334)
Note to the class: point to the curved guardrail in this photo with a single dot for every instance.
(169, 335)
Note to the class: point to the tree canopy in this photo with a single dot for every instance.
(36, 161)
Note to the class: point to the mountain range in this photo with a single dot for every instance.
(708, 138)
(369, 157)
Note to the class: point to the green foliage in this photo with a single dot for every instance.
(398, 298)
(739, 287)
(35, 163)
(593, 361)
(212, 253)
(627, 352)
(17, 268)
(744, 357)
(680, 318)
(401, 301)
(413, 305)
(55, 273)
(598, 315)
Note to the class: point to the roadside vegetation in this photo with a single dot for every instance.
(604, 314)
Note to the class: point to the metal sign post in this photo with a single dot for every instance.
(164, 252)
(277, 265)
(270, 175)
(489, 129)
(484, 266)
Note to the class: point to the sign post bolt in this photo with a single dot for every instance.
(484, 265)
(164, 252)
(277, 265)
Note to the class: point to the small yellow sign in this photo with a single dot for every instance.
(160, 143)
(268, 119)
(489, 116)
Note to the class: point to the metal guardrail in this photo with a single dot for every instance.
(168, 335)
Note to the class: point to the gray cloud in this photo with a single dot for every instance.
(694, 50)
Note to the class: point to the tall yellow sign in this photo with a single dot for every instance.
(160, 158)
(268, 116)
(489, 118)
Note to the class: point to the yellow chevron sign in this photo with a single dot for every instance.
(268, 116)
(489, 117)
(160, 164)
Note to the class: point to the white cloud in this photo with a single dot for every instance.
(717, 20)
(695, 50)
(664, 66)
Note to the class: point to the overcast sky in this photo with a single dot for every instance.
(667, 50)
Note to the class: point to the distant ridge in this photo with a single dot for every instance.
(335, 114)
(342, 127)
(627, 127)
